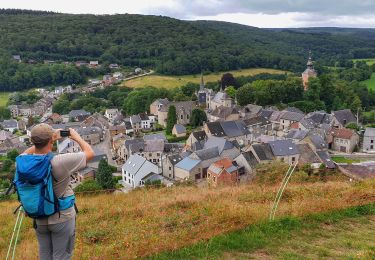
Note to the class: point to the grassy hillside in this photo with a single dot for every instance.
(147, 222)
(177, 81)
(370, 83)
(4, 97)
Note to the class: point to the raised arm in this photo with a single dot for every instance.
(85, 147)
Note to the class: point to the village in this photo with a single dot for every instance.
(226, 149)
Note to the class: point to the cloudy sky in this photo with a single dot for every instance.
(260, 13)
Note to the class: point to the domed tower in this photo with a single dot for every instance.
(309, 72)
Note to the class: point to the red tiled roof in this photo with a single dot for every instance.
(343, 133)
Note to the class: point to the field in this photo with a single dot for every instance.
(342, 159)
(177, 81)
(370, 82)
(369, 61)
(4, 96)
(147, 222)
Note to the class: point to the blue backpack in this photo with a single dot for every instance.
(34, 184)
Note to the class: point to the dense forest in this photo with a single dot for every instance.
(168, 45)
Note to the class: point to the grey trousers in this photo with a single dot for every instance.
(56, 242)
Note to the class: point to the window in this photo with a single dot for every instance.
(170, 168)
(214, 178)
(153, 160)
(158, 154)
(182, 116)
(187, 116)
(371, 147)
(372, 141)
(150, 154)
(293, 159)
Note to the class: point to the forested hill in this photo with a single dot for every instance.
(169, 45)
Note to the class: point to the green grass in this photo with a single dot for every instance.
(370, 83)
(345, 233)
(4, 97)
(177, 81)
(369, 61)
(342, 159)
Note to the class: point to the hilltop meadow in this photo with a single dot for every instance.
(163, 81)
(148, 222)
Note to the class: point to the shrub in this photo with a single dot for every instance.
(90, 185)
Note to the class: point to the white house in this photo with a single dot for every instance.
(10, 125)
(137, 170)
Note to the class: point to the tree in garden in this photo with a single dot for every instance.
(228, 80)
(198, 116)
(231, 91)
(104, 175)
(171, 119)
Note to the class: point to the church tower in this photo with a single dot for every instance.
(309, 72)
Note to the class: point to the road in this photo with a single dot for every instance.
(138, 76)
(105, 146)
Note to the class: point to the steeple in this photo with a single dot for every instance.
(201, 87)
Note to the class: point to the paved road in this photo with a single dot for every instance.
(106, 147)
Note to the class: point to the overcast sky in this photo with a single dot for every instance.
(260, 13)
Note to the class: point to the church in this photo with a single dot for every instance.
(309, 72)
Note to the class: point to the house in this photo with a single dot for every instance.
(54, 118)
(96, 120)
(222, 172)
(59, 90)
(179, 130)
(222, 113)
(257, 126)
(117, 129)
(221, 98)
(369, 140)
(287, 118)
(136, 170)
(250, 111)
(111, 113)
(138, 70)
(285, 151)
(114, 66)
(320, 118)
(136, 123)
(128, 128)
(94, 64)
(79, 115)
(196, 137)
(343, 117)
(68, 146)
(17, 58)
(262, 152)
(230, 130)
(157, 136)
(183, 111)
(92, 135)
(342, 140)
(118, 75)
(169, 163)
(157, 105)
(145, 121)
(296, 134)
(4, 135)
(246, 162)
(10, 125)
(86, 174)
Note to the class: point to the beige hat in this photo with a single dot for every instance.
(41, 133)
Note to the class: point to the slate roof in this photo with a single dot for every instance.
(175, 158)
(326, 159)
(78, 113)
(139, 165)
(173, 147)
(221, 95)
(308, 123)
(370, 132)
(318, 141)
(221, 144)
(250, 158)
(251, 108)
(258, 120)
(131, 142)
(154, 146)
(144, 116)
(128, 125)
(265, 113)
(283, 148)
(292, 116)
(187, 163)
(263, 151)
(200, 135)
(297, 134)
(89, 130)
(207, 153)
(344, 116)
(157, 136)
(134, 119)
(216, 129)
(180, 129)
(223, 112)
(307, 155)
(117, 128)
(11, 123)
(320, 117)
(4, 135)
(180, 105)
(293, 109)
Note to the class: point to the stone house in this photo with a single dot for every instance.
(285, 151)
(117, 129)
(287, 118)
(196, 138)
(136, 170)
(342, 140)
(222, 113)
(183, 111)
(369, 140)
(92, 135)
(343, 117)
(258, 126)
(79, 115)
(111, 113)
(222, 172)
(179, 130)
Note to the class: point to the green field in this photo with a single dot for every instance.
(369, 61)
(4, 97)
(177, 81)
(370, 82)
(342, 159)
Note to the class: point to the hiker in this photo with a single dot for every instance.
(56, 233)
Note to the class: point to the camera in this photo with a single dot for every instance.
(64, 133)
